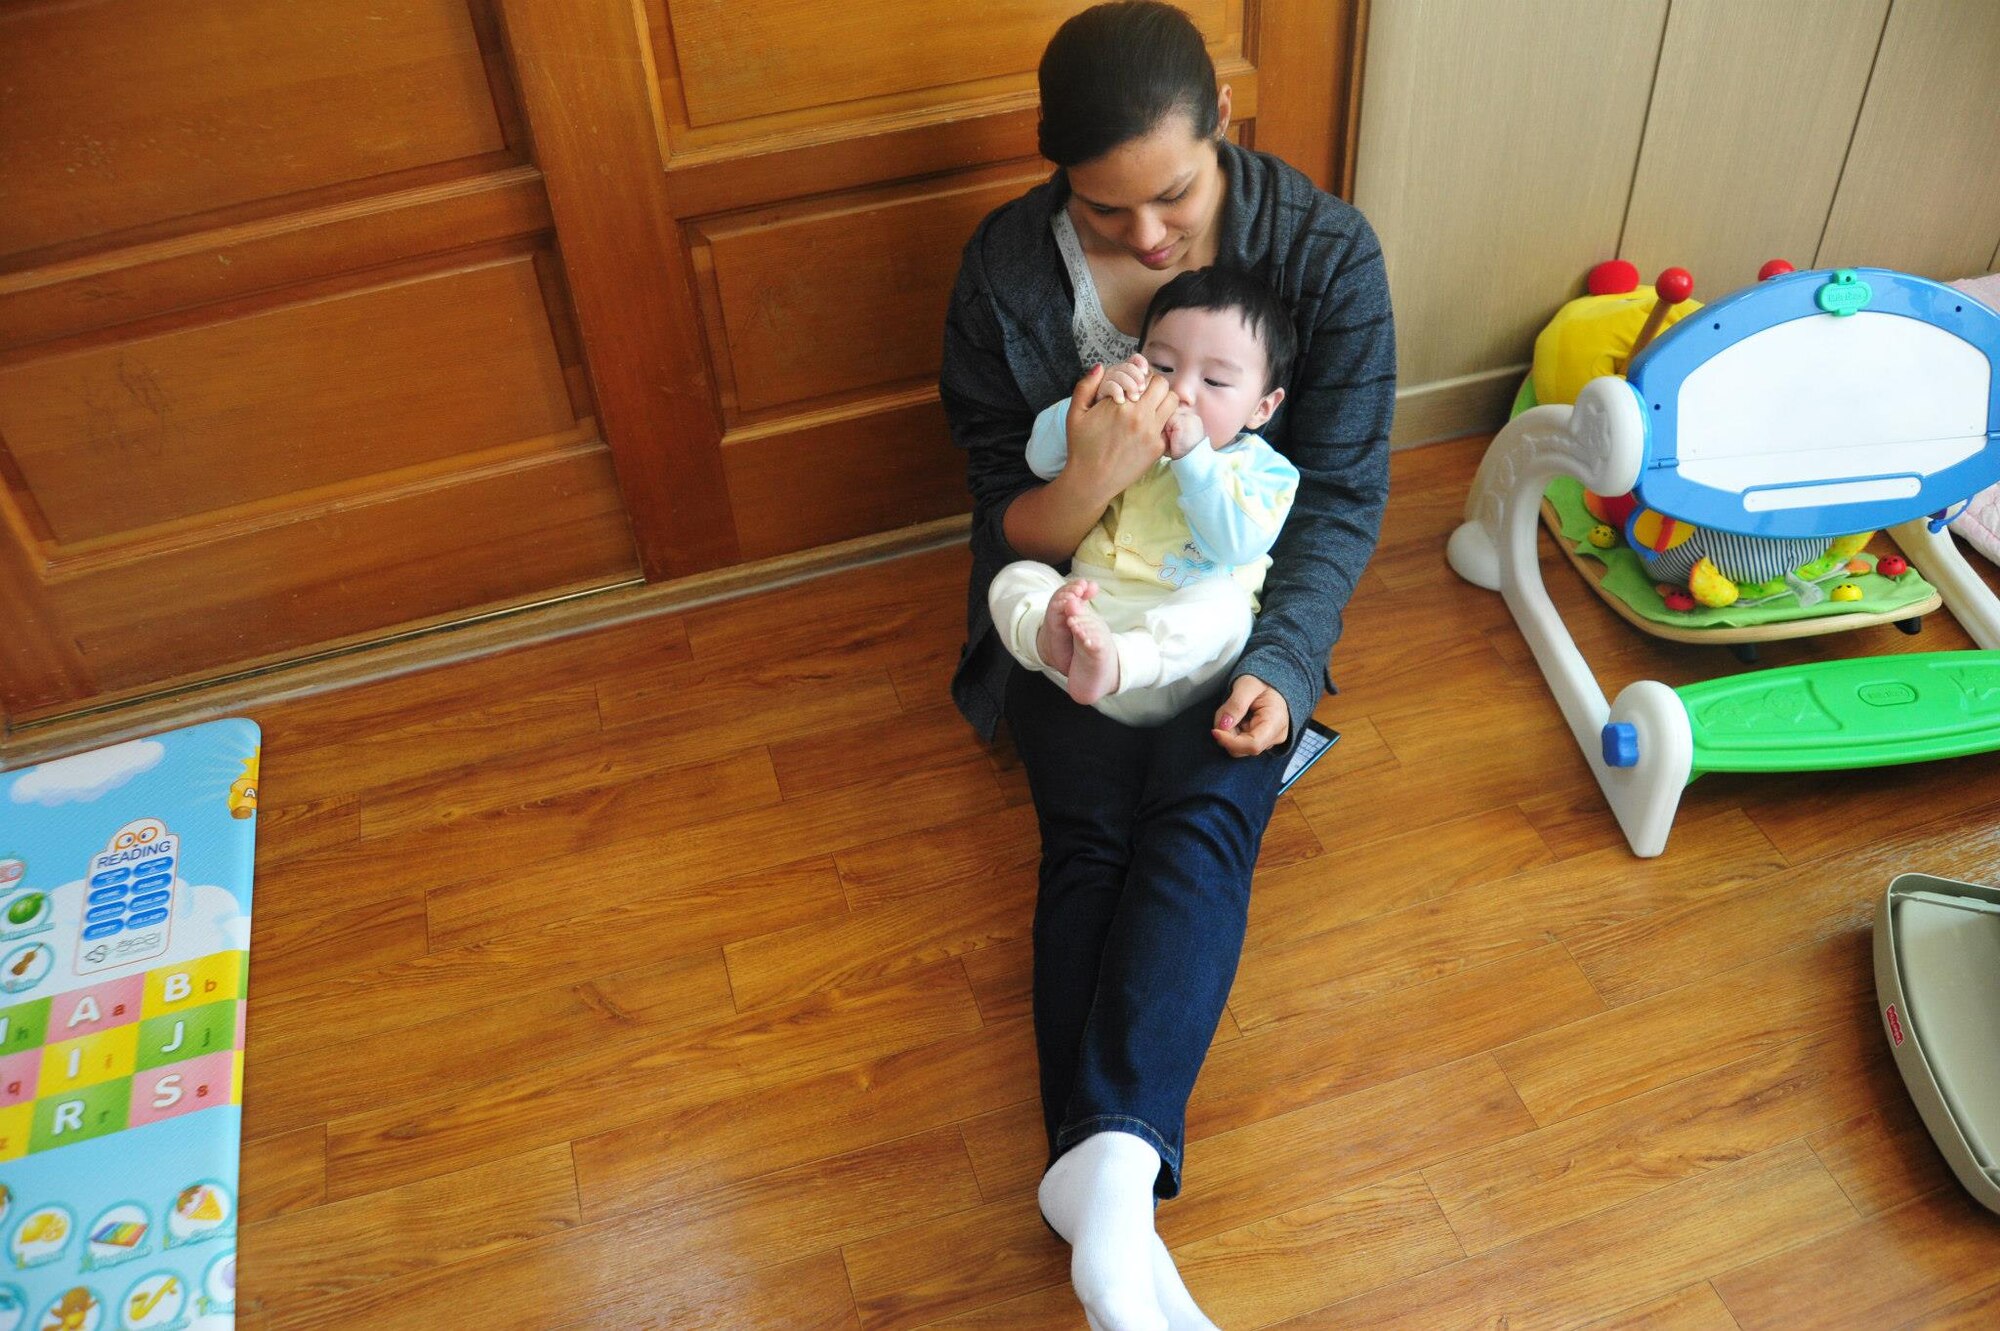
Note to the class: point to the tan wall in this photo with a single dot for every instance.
(1504, 148)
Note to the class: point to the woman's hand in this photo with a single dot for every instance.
(1112, 443)
(1252, 719)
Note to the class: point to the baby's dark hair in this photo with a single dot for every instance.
(1112, 73)
(1221, 288)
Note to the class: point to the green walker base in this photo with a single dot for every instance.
(1829, 715)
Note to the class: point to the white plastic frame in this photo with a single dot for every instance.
(1601, 441)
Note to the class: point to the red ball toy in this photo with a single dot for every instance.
(1892, 566)
(1613, 277)
(1674, 285)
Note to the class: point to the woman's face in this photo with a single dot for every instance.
(1154, 196)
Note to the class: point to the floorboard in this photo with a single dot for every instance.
(678, 975)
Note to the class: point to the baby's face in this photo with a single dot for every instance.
(1215, 365)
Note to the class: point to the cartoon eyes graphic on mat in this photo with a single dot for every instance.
(142, 833)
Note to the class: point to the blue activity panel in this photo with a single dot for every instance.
(1821, 403)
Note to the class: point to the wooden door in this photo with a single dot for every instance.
(287, 357)
(320, 322)
(824, 163)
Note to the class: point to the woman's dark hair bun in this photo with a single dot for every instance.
(1112, 73)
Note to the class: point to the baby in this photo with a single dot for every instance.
(1163, 590)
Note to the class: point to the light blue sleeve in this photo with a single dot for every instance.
(1048, 442)
(1235, 499)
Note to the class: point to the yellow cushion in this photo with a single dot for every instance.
(1592, 336)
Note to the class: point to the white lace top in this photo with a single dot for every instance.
(1098, 341)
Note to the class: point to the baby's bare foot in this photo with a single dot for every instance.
(1053, 641)
(1093, 670)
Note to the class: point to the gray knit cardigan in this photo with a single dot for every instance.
(1009, 352)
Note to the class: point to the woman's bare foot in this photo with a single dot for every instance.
(1053, 642)
(1093, 669)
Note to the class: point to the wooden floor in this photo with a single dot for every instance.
(677, 976)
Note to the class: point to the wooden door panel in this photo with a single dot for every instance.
(130, 434)
(40, 666)
(844, 294)
(843, 474)
(226, 268)
(951, 112)
(310, 373)
(826, 164)
(517, 529)
(742, 59)
(141, 111)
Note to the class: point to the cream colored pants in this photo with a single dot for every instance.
(1173, 645)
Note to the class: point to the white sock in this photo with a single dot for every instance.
(1175, 1301)
(1099, 1196)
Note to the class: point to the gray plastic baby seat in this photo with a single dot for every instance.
(1937, 979)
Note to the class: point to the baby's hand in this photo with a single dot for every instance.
(1124, 381)
(1184, 431)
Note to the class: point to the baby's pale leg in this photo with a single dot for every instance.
(1019, 601)
(1093, 669)
(1180, 647)
(1061, 640)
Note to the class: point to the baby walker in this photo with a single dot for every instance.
(1670, 578)
(1813, 405)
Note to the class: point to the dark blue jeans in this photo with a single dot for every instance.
(1148, 840)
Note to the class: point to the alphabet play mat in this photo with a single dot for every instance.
(124, 955)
